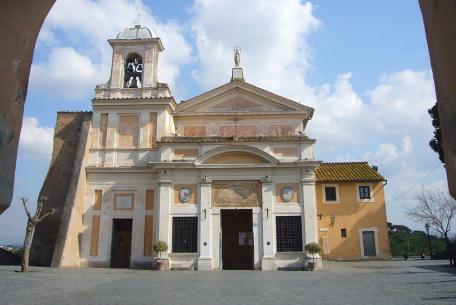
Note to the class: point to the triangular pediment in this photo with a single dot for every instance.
(239, 97)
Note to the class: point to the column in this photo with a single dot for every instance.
(310, 213)
(268, 261)
(205, 240)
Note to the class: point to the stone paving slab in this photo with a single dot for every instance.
(356, 283)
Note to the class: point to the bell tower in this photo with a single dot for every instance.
(134, 66)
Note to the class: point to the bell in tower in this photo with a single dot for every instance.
(134, 65)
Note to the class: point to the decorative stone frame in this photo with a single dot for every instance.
(371, 191)
(361, 243)
(323, 193)
(124, 194)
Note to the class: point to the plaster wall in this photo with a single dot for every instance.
(352, 215)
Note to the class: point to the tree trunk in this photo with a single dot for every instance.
(447, 240)
(27, 243)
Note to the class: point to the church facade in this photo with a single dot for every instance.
(228, 179)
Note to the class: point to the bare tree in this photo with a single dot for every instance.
(437, 208)
(32, 221)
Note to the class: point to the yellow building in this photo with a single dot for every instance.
(351, 212)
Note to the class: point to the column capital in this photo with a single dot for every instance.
(205, 180)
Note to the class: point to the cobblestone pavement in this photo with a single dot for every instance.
(392, 282)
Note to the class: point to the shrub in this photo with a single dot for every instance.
(160, 246)
(313, 248)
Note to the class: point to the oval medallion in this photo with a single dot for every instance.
(287, 194)
(185, 194)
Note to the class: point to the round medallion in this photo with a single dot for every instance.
(287, 194)
(185, 194)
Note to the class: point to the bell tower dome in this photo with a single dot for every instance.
(134, 65)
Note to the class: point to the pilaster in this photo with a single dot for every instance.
(268, 261)
(310, 214)
(165, 197)
(205, 261)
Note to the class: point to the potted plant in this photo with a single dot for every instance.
(160, 246)
(312, 248)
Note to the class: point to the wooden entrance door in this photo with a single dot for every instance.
(237, 239)
(121, 243)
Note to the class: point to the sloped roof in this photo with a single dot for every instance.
(241, 87)
(347, 171)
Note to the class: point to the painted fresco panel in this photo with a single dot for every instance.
(280, 130)
(236, 194)
(128, 131)
(183, 153)
(194, 131)
(242, 131)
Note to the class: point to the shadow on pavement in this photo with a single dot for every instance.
(438, 268)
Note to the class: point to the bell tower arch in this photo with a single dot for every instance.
(134, 65)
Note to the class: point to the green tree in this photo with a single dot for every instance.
(436, 142)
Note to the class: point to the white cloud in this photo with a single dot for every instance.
(90, 25)
(407, 145)
(67, 73)
(387, 153)
(389, 126)
(272, 35)
(36, 140)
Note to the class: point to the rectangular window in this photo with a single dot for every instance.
(185, 234)
(330, 193)
(128, 131)
(364, 192)
(343, 232)
(289, 233)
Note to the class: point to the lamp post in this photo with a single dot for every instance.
(426, 226)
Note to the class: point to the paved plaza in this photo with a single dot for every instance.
(355, 283)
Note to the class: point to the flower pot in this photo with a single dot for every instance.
(310, 266)
(160, 264)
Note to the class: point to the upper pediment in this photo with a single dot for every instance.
(240, 97)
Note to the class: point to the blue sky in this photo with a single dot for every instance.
(362, 65)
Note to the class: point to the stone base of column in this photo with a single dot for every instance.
(205, 263)
(268, 264)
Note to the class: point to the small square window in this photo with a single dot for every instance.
(343, 233)
(330, 193)
(364, 192)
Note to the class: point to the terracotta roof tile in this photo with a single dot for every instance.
(347, 171)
